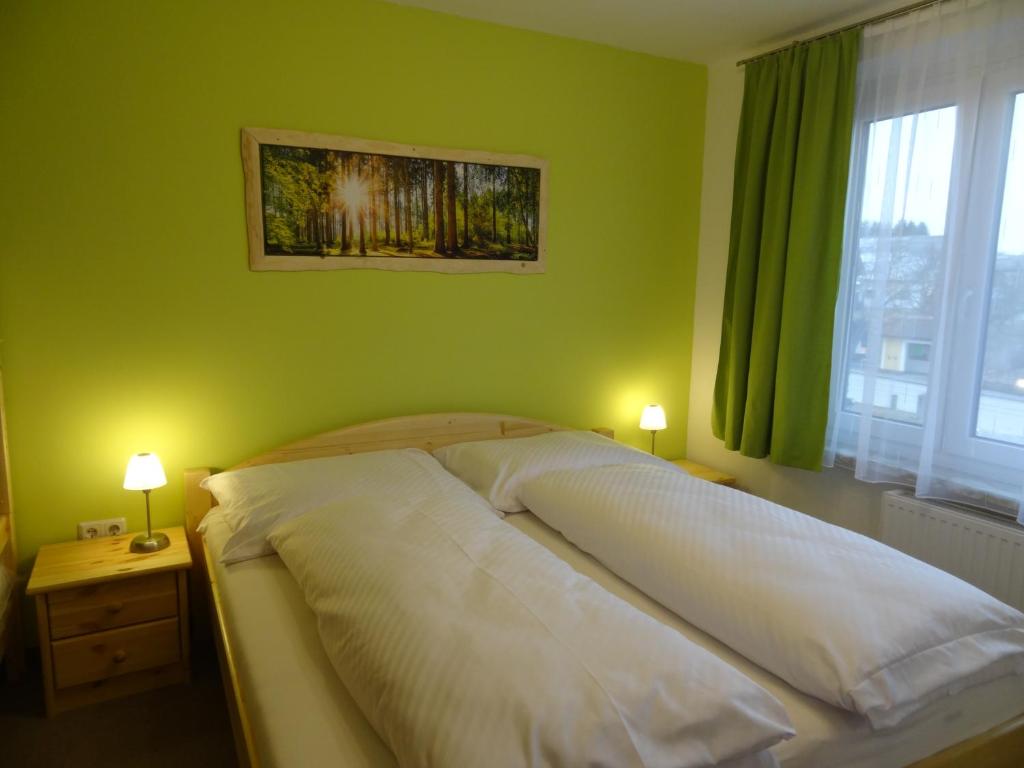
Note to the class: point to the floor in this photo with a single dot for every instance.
(180, 726)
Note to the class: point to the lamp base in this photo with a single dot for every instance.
(156, 542)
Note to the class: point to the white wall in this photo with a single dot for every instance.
(833, 494)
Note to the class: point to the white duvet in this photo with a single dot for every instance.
(837, 615)
(465, 643)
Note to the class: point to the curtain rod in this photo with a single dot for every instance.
(865, 22)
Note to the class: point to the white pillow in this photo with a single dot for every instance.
(255, 499)
(497, 469)
(217, 512)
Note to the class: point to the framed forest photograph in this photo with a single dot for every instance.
(315, 201)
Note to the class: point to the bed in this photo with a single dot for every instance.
(289, 707)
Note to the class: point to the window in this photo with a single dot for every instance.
(918, 352)
(1000, 392)
(928, 365)
(907, 168)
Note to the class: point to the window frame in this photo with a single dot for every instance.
(997, 112)
(985, 110)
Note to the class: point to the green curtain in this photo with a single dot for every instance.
(785, 250)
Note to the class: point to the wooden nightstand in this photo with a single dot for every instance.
(111, 622)
(705, 473)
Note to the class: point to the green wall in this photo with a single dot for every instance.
(128, 315)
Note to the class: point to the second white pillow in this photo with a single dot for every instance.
(497, 469)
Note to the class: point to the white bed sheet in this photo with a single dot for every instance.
(302, 714)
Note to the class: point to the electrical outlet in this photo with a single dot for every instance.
(93, 529)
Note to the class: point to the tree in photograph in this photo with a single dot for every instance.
(385, 168)
(453, 234)
(318, 184)
(395, 185)
(465, 205)
(373, 201)
(494, 204)
(323, 207)
(407, 183)
(325, 210)
(424, 205)
(342, 177)
(439, 239)
(480, 208)
(522, 193)
(357, 188)
(302, 181)
(280, 201)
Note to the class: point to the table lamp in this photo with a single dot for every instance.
(145, 473)
(653, 419)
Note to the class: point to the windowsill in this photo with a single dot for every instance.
(968, 499)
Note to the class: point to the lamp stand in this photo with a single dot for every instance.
(149, 542)
(653, 433)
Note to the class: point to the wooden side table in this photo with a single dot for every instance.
(111, 622)
(705, 473)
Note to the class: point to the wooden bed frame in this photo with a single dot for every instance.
(11, 649)
(1000, 747)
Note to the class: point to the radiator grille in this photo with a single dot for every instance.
(985, 553)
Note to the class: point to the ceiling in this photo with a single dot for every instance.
(704, 31)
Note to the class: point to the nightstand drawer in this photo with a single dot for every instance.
(112, 604)
(115, 652)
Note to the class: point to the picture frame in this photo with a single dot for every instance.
(316, 201)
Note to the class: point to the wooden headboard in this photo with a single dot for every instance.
(425, 431)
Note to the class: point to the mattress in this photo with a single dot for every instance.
(302, 715)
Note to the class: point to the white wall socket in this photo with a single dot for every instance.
(93, 529)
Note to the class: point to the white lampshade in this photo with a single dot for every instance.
(653, 418)
(144, 473)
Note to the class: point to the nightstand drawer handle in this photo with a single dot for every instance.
(115, 607)
(120, 656)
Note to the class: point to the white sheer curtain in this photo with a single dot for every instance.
(928, 363)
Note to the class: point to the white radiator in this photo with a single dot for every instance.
(988, 554)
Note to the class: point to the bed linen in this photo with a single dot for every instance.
(302, 714)
(464, 641)
(300, 711)
(254, 499)
(838, 615)
(497, 469)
